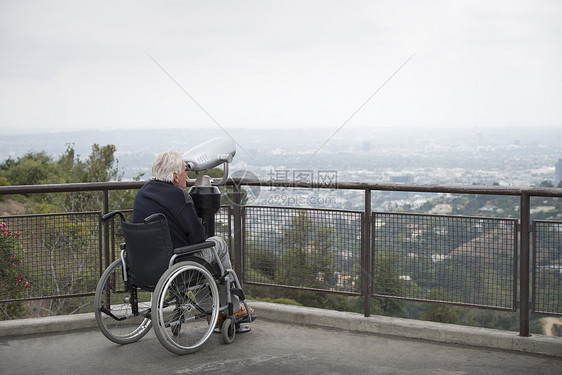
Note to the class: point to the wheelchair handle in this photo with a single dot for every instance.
(109, 215)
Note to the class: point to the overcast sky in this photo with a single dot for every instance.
(69, 65)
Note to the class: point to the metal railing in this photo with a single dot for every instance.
(473, 261)
(54, 255)
(470, 261)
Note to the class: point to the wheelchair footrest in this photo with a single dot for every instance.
(239, 329)
(242, 329)
(247, 319)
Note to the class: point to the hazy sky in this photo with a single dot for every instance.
(69, 65)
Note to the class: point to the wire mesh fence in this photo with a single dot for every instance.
(49, 256)
(223, 224)
(303, 248)
(459, 260)
(547, 267)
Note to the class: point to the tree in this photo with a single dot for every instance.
(101, 165)
(308, 260)
(30, 169)
(387, 282)
(262, 260)
(439, 312)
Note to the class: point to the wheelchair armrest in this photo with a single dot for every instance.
(155, 217)
(109, 215)
(193, 248)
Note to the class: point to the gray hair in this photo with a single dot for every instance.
(165, 164)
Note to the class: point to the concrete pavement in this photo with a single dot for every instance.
(285, 340)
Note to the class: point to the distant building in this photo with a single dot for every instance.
(366, 146)
(407, 179)
(558, 173)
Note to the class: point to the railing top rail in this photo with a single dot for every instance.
(424, 188)
(340, 185)
(67, 188)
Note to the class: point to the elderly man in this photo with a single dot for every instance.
(166, 194)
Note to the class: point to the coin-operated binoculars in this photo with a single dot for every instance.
(205, 193)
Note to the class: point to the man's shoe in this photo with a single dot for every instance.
(242, 312)
(242, 315)
(220, 319)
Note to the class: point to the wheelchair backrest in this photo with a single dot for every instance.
(149, 249)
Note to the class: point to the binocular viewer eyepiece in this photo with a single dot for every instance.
(206, 196)
(210, 154)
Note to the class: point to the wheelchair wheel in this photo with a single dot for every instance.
(185, 307)
(113, 310)
(228, 330)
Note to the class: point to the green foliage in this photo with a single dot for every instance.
(308, 258)
(439, 312)
(39, 168)
(30, 169)
(100, 165)
(68, 241)
(13, 282)
(387, 283)
(65, 260)
(263, 261)
(3, 182)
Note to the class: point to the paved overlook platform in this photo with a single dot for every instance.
(284, 340)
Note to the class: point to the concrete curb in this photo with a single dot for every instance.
(50, 324)
(407, 328)
(410, 328)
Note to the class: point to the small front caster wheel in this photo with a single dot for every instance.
(228, 330)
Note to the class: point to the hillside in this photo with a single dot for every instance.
(10, 207)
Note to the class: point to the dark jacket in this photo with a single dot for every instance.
(176, 204)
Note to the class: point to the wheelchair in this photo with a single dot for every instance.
(154, 285)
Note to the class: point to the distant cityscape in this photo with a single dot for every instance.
(514, 156)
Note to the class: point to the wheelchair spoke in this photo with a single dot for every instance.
(186, 307)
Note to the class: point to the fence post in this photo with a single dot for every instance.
(238, 231)
(105, 231)
(366, 255)
(525, 204)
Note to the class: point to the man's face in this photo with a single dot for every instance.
(180, 180)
